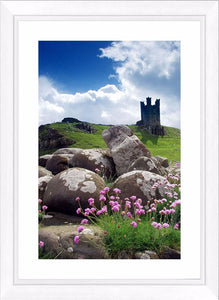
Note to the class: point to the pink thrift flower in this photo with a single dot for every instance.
(133, 198)
(105, 232)
(41, 244)
(153, 209)
(102, 198)
(134, 224)
(78, 211)
(44, 207)
(154, 224)
(159, 226)
(97, 170)
(93, 209)
(172, 211)
(91, 201)
(104, 209)
(39, 211)
(99, 212)
(128, 204)
(117, 191)
(112, 198)
(80, 228)
(176, 227)
(116, 207)
(106, 189)
(129, 214)
(111, 203)
(77, 199)
(102, 192)
(40, 201)
(84, 221)
(76, 239)
(165, 225)
(178, 202)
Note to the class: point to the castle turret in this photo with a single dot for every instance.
(150, 116)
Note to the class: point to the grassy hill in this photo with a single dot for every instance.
(167, 146)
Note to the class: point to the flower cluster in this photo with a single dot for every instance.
(41, 209)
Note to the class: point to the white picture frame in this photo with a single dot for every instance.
(205, 12)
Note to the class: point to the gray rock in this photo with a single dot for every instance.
(57, 163)
(124, 146)
(139, 183)
(163, 161)
(144, 163)
(92, 159)
(62, 190)
(43, 159)
(43, 172)
(42, 184)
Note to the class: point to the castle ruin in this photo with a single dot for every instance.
(150, 117)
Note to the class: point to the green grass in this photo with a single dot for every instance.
(122, 236)
(166, 146)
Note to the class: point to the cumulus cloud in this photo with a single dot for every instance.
(141, 68)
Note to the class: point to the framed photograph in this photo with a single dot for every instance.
(173, 38)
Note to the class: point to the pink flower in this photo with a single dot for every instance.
(80, 228)
(106, 189)
(39, 211)
(76, 239)
(177, 164)
(102, 198)
(134, 224)
(99, 212)
(117, 191)
(153, 209)
(129, 215)
(40, 201)
(162, 212)
(104, 209)
(133, 198)
(97, 170)
(112, 198)
(172, 211)
(93, 209)
(77, 199)
(102, 192)
(91, 201)
(44, 207)
(116, 207)
(41, 244)
(154, 224)
(78, 211)
(128, 204)
(159, 226)
(178, 202)
(105, 232)
(87, 211)
(165, 225)
(84, 221)
(176, 227)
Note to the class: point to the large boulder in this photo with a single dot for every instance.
(43, 172)
(67, 151)
(59, 242)
(57, 163)
(42, 184)
(62, 190)
(139, 183)
(92, 159)
(43, 159)
(146, 164)
(125, 147)
(163, 161)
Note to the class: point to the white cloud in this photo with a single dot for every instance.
(142, 69)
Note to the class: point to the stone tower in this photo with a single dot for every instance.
(150, 117)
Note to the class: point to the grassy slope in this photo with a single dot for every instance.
(167, 146)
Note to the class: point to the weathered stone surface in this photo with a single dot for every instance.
(43, 159)
(124, 146)
(43, 172)
(139, 183)
(57, 163)
(42, 184)
(147, 254)
(168, 253)
(59, 242)
(144, 163)
(62, 190)
(67, 151)
(91, 159)
(163, 161)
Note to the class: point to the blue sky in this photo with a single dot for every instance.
(104, 81)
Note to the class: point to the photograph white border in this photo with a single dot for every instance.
(63, 10)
